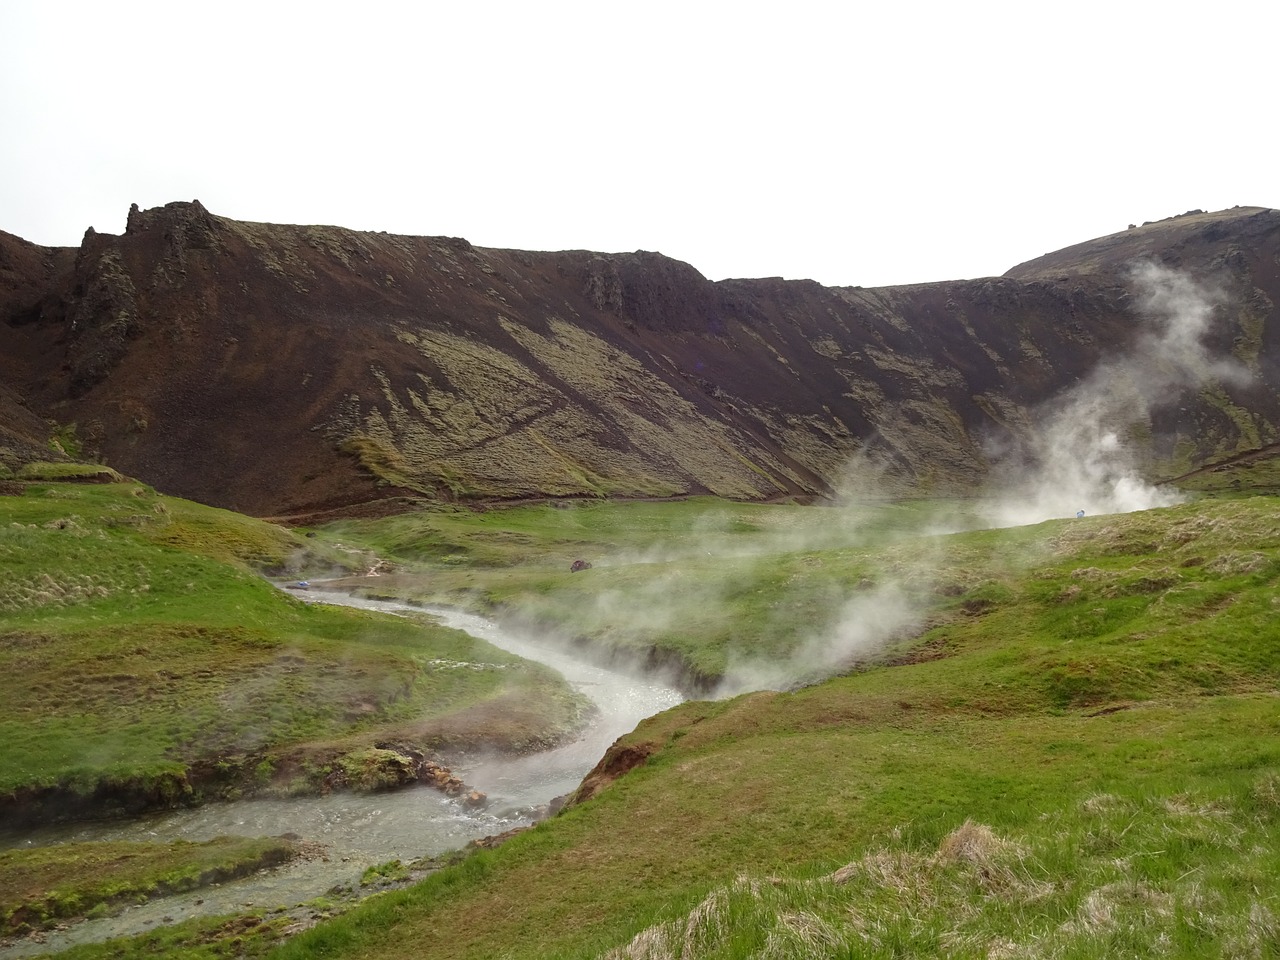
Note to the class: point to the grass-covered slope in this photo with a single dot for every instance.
(1077, 757)
(144, 662)
(43, 885)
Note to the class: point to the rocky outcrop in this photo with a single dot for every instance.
(24, 436)
(290, 370)
(620, 758)
(102, 319)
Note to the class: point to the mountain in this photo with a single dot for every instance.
(300, 370)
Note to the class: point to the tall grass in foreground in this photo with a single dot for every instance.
(1184, 875)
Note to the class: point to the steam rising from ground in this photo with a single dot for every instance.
(866, 622)
(1081, 456)
(1080, 453)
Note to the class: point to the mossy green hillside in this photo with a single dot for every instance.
(43, 885)
(140, 652)
(1098, 695)
(72, 471)
(1255, 473)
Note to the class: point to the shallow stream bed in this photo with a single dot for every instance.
(361, 830)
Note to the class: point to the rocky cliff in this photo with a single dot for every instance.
(286, 370)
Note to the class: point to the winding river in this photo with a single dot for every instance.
(360, 830)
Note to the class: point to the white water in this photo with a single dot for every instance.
(623, 701)
(361, 830)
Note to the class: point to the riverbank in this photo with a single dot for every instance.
(360, 831)
(43, 886)
(146, 664)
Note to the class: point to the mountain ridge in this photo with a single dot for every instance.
(293, 369)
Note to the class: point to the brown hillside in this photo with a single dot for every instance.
(287, 369)
(1203, 242)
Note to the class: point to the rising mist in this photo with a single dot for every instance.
(1084, 452)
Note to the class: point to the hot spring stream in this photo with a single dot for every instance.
(361, 830)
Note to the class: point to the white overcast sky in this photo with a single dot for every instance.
(850, 143)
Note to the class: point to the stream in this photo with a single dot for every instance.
(361, 830)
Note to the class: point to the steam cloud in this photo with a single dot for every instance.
(1080, 458)
(867, 621)
(1077, 455)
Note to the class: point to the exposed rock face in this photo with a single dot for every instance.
(24, 436)
(618, 759)
(286, 369)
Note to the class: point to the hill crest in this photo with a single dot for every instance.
(285, 370)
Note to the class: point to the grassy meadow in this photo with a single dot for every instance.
(1067, 746)
(145, 661)
(689, 584)
(1060, 740)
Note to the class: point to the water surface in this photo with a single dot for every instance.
(360, 830)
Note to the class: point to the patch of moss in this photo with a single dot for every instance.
(40, 886)
(382, 460)
(389, 872)
(63, 440)
(1246, 423)
(69, 472)
(376, 769)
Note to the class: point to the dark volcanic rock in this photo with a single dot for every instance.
(289, 370)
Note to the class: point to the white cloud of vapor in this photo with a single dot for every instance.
(767, 578)
(866, 622)
(1082, 457)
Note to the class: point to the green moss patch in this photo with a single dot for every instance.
(70, 472)
(44, 885)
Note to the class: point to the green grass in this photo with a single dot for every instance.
(239, 937)
(41, 471)
(724, 589)
(795, 787)
(558, 533)
(141, 652)
(1111, 875)
(1069, 748)
(679, 581)
(44, 885)
(1097, 699)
